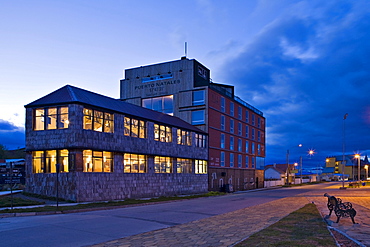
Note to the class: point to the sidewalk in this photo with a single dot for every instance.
(231, 228)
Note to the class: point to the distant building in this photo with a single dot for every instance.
(236, 129)
(334, 167)
(106, 149)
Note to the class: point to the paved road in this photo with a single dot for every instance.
(88, 228)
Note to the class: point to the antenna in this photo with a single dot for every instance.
(186, 49)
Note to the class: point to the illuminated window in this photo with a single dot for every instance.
(134, 128)
(200, 167)
(183, 137)
(183, 165)
(97, 161)
(135, 163)
(162, 104)
(162, 164)
(46, 161)
(200, 140)
(98, 121)
(197, 117)
(51, 118)
(162, 133)
(198, 98)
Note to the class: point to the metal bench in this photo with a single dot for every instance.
(341, 209)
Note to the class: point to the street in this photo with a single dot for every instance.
(87, 228)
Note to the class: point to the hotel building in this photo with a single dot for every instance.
(183, 88)
(88, 147)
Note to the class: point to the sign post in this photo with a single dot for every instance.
(57, 185)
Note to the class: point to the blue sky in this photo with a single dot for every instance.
(303, 63)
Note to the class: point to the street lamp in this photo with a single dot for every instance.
(367, 171)
(287, 162)
(344, 142)
(358, 169)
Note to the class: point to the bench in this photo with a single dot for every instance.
(354, 185)
(341, 209)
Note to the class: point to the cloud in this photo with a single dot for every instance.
(305, 72)
(11, 136)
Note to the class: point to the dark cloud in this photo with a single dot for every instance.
(11, 136)
(305, 73)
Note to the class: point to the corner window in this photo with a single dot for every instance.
(197, 117)
(51, 118)
(198, 98)
(46, 161)
(162, 104)
(135, 163)
(162, 164)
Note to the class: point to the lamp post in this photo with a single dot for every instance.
(358, 156)
(287, 162)
(344, 142)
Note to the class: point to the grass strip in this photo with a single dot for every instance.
(303, 228)
(98, 204)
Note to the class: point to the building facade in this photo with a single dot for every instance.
(236, 129)
(97, 148)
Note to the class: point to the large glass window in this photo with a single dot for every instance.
(253, 134)
(97, 161)
(239, 160)
(246, 146)
(183, 137)
(246, 131)
(135, 163)
(134, 127)
(162, 104)
(98, 121)
(198, 98)
(200, 167)
(46, 161)
(246, 116)
(246, 161)
(200, 140)
(183, 165)
(240, 145)
(162, 164)
(197, 117)
(51, 118)
(239, 112)
(162, 133)
(240, 128)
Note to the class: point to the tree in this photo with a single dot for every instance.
(3, 150)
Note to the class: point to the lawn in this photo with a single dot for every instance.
(303, 228)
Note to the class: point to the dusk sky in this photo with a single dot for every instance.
(304, 64)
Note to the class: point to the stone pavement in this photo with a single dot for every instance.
(231, 228)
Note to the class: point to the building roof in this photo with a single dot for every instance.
(276, 169)
(74, 95)
(282, 167)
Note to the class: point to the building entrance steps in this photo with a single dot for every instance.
(231, 228)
